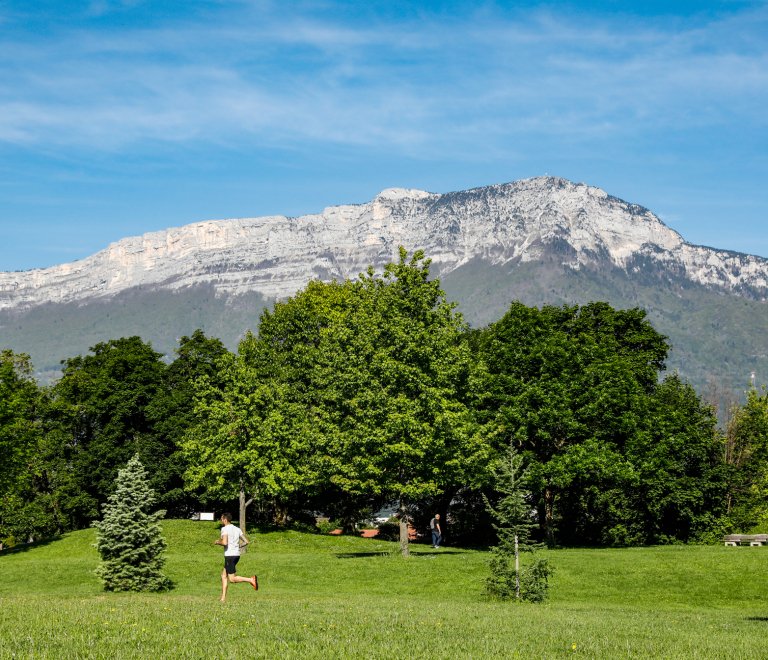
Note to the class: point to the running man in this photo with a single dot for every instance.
(230, 539)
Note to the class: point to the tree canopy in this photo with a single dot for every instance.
(362, 394)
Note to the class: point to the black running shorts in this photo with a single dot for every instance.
(230, 563)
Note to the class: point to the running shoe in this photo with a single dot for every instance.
(255, 583)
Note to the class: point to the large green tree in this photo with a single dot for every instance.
(745, 452)
(171, 412)
(251, 439)
(392, 390)
(103, 403)
(20, 434)
(361, 388)
(674, 483)
(19, 418)
(569, 386)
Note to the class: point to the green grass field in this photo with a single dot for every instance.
(342, 597)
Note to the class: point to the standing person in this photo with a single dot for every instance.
(230, 539)
(437, 532)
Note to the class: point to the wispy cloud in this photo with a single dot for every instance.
(429, 85)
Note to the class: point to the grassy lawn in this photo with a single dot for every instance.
(341, 597)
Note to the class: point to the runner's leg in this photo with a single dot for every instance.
(239, 578)
(224, 584)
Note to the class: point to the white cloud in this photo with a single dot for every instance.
(429, 85)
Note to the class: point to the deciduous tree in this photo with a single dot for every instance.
(569, 386)
(105, 398)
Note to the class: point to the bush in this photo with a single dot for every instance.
(389, 531)
(304, 528)
(504, 579)
(328, 526)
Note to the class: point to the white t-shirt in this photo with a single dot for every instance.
(233, 540)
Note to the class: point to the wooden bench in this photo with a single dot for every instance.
(743, 539)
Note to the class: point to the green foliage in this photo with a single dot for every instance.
(677, 486)
(508, 580)
(19, 400)
(388, 531)
(395, 385)
(745, 452)
(251, 434)
(28, 506)
(389, 385)
(305, 528)
(104, 400)
(327, 526)
(170, 414)
(75, 434)
(360, 387)
(569, 386)
(129, 539)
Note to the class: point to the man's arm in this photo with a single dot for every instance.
(243, 541)
(223, 541)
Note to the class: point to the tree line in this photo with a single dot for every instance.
(360, 395)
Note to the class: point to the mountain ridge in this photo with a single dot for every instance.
(274, 256)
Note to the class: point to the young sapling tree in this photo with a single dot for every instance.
(507, 581)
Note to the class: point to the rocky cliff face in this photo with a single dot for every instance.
(275, 256)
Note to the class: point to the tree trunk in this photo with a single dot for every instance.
(549, 506)
(281, 513)
(517, 570)
(404, 549)
(243, 506)
(442, 508)
(241, 520)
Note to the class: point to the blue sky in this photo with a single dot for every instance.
(122, 117)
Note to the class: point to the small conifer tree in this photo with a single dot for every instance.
(129, 537)
(507, 580)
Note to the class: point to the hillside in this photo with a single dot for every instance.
(51, 332)
(712, 332)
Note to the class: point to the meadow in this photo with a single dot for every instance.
(347, 597)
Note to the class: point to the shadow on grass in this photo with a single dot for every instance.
(757, 618)
(364, 555)
(26, 547)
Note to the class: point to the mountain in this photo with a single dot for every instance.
(539, 240)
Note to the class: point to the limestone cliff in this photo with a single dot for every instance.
(277, 255)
